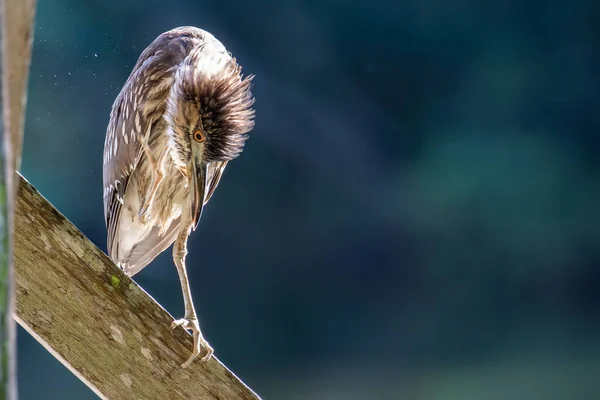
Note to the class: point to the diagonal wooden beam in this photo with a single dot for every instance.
(98, 322)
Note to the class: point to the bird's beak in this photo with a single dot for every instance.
(197, 185)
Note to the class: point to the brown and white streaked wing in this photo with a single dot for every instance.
(137, 110)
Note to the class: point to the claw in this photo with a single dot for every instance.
(199, 341)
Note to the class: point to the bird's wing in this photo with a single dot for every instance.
(137, 110)
(122, 151)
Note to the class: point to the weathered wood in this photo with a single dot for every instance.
(97, 321)
(16, 33)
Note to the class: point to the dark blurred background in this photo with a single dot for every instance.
(416, 215)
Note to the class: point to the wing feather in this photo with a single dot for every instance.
(138, 108)
(122, 148)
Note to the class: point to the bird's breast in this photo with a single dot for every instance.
(171, 197)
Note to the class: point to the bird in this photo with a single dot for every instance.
(183, 114)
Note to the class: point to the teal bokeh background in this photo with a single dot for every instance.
(415, 216)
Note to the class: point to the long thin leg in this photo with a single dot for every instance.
(158, 174)
(190, 321)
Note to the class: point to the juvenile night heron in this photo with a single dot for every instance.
(182, 115)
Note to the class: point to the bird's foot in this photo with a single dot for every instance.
(192, 325)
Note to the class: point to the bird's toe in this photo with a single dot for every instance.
(199, 341)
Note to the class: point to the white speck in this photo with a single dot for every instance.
(146, 353)
(116, 334)
(95, 55)
(126, 379)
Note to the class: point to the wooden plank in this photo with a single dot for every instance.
(97, 321)
(16, 33)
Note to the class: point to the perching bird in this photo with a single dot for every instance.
(182, 115)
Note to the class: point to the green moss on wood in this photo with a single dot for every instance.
(115, 281)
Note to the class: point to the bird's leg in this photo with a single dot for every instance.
(190, 321)
(158, 173)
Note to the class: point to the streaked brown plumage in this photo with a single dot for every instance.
(182, 115)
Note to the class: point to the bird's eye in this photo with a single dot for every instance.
(199, 136)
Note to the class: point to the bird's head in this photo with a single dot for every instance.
(209, 113)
